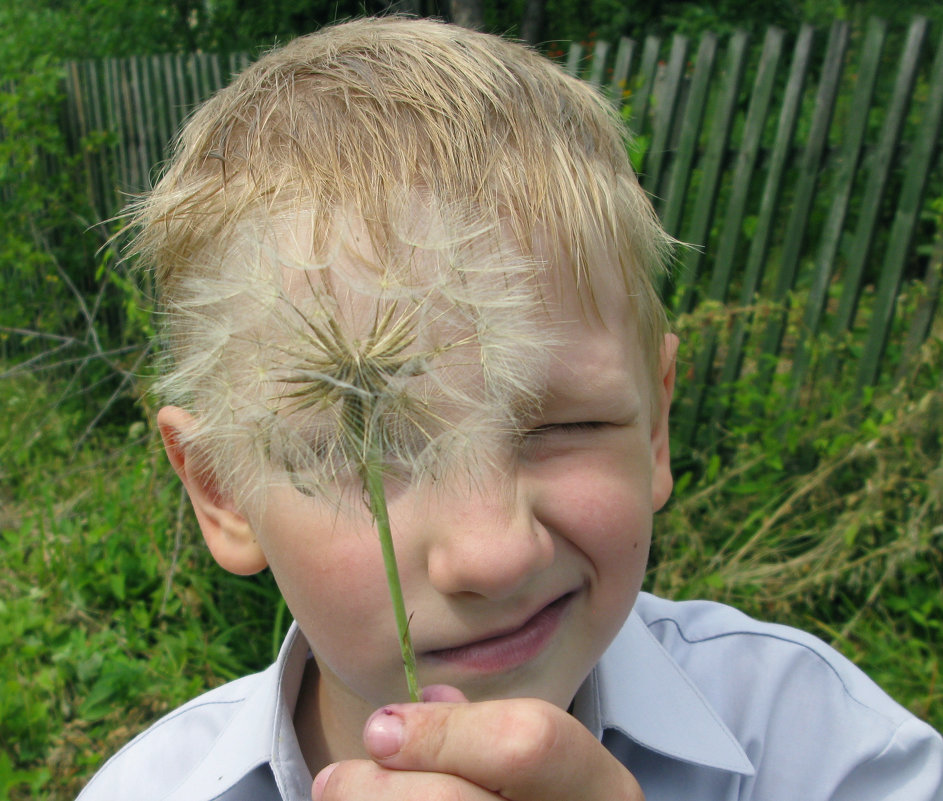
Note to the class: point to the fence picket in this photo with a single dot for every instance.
(107, 164)
(691, 121)
(756, 258)
(159, 100)
(667, 92)
(113, 121)
(574, 57)
(905, 219)
(180, 82)
(745, 163)
(620, 71)
(137, 90)
(637, 119)
(732, 225)
(805, 190)
(696, 232)
(880, 167)
(841, 195)
(600, 51)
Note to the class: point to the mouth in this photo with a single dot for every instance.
(510, 649)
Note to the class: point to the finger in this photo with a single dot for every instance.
(522, 749)
(362, 780)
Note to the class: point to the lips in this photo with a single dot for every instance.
(510, 649)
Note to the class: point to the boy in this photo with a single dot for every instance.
(410, 231)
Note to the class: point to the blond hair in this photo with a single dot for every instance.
(360, 119)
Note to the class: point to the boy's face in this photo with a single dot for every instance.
(516, 582)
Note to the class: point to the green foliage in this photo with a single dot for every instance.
(99, 28)
(111, 612)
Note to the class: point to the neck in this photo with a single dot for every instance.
(328, 721)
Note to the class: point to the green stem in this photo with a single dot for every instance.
(373, 480)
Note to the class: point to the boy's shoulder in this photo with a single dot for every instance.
(766, 710)
(200, 750)
(770, 658)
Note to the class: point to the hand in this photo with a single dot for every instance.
(447, 748)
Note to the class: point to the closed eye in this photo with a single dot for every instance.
(541, 435)
(581, 425)
(551, 439)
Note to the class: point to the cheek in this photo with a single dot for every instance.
(613, 530)
(603, 509)
(330, 572)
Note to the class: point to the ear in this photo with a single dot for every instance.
(228, 534)
(662, 481)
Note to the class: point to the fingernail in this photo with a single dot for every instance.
(384, 734)
(317, 789)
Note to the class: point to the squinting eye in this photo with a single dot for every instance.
(581, 425)
(545, 440)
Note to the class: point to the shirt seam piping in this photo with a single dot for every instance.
(892, 723)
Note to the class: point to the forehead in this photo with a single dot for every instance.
(597, 366)
(484, 286)
(422, 245)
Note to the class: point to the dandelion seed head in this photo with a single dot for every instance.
(434, 347)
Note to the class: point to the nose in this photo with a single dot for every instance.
(488, 541)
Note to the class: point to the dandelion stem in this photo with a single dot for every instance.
(373, 481)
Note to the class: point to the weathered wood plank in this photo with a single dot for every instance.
(620, 71)
(694, 109)
(666, 100)
(696, 232)
(161, 115)
(840, 192)
(806, 185)
(729, 237)
(905, 220)
(757, 112)
(598, 67)
(637, 120)
(139, 117)
(759, 246)
(573, 59)
(881, 162)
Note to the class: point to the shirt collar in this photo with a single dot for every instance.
(260, 733)
(640, 690)
(637, 688)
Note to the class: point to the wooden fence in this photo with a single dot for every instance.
(804, 189)
(798, 168)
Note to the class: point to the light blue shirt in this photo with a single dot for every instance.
(700, 702)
